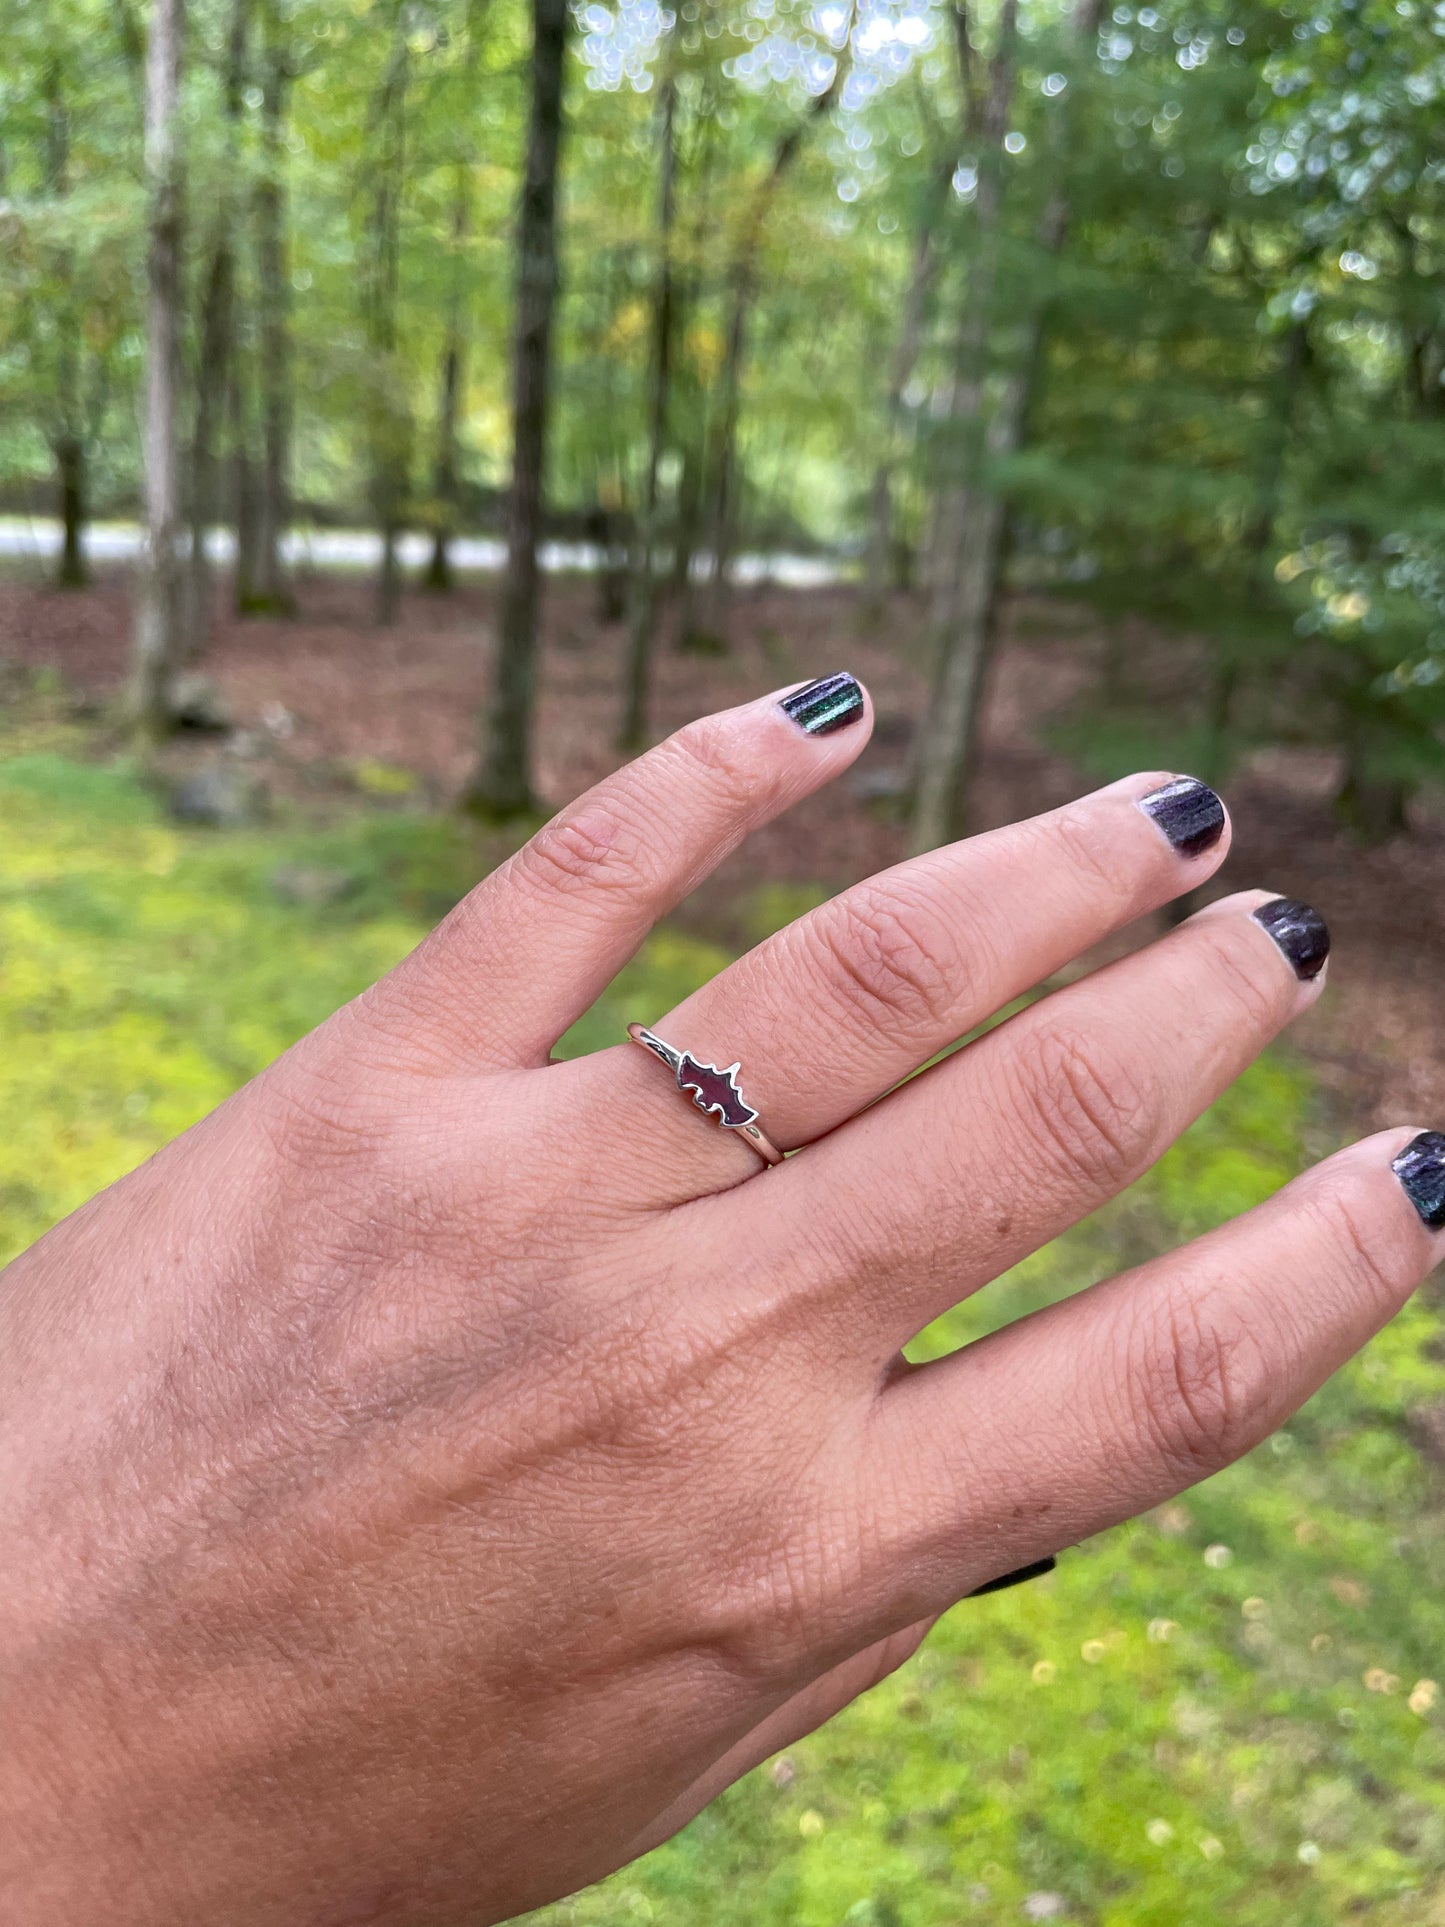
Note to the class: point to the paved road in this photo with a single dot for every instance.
(38, 538)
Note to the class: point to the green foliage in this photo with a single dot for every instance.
(1212, 1715)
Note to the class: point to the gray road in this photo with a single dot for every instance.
(38, 538)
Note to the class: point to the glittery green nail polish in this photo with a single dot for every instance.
(829, 704)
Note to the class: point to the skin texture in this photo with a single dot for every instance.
(432, 1478)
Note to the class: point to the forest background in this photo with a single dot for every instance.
(408, 409)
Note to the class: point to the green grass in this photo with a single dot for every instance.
(1211, 1715)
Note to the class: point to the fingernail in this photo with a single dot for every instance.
(1420, 1167)
(1035, 1571)
(828, 704)
(1300, 932)
(1188, 812)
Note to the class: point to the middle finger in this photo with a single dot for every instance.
(837, 1008)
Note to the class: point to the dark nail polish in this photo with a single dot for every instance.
(1420, 1167)
(1188, 812)
(1035, 1571)
(831, 703)
(1300, 932)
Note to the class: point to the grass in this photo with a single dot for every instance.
(1221, 1713)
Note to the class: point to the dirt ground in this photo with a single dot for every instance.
(317, 695)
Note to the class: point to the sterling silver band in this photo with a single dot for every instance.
(711, 1090)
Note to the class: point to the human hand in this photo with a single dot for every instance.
(432, 1478)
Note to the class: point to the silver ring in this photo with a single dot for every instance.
(711, 1090)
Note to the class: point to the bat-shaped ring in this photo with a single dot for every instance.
(711, 1090)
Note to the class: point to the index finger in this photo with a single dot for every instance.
(537, 942)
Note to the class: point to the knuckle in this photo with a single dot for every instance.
(888, 959)
(1261, 997)
(771, 1614)
(1097, 857)
(588, 847)
(710, 752)
(1088, 1107)
(1198, 1385)
(1371, 1255)
(313, 1117)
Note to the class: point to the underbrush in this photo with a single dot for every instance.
(1223, 1712)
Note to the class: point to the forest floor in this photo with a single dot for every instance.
(329, 705)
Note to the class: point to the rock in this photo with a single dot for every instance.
(1045, 1906)
(197, 702)
(312, 883)
(219, 796)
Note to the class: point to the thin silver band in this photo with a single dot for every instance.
(711, 1090)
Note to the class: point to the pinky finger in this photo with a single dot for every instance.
(1096, 1408)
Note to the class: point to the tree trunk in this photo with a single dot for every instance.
(272, 588)
(243, 472)
(211, 388)
(502, 785)
(439, 577)
(387, 426)
(1372, 800)
(158, 602)
(449, 399)
(214, 355)
(972, 520)
(67, 441)
(643, 597)
(70, 472)
(1229, 668)
(741, 290)
(881, 570)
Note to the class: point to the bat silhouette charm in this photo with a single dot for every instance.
(716, 1091)
(713, 1091)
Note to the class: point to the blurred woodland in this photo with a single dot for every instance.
(1141, 303)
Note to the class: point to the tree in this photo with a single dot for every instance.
(973, 510)
(269, 590)
(741, 290)
(213, 374)
(452, 364)
(642, 597)
(502, 784)
(156, 648)
(388, 426)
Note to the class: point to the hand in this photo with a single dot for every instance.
(431, 1479)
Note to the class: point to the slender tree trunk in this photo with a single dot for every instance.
(687, 531)
(449, 399)
(880, 564)
(211, 390)
(272, 587)
(643, 596)
(388, 424)
(741, 290)
(213, 362)
(972, 521)
(969, 528)
(70, 470)
(67, 441)
(158, 603)
(1229, 667)
(439, 577)
(502, 785)
(243, 472)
